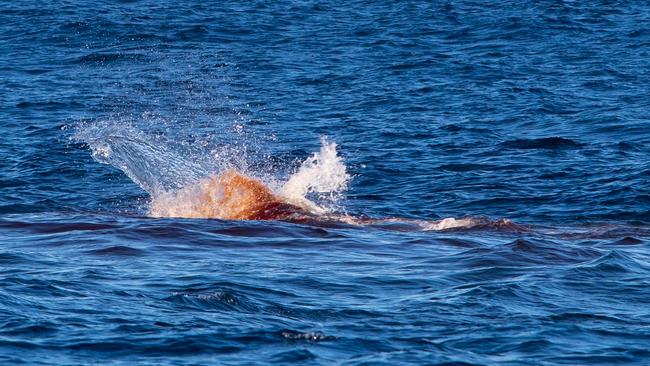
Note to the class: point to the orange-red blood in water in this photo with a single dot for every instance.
(242, 198)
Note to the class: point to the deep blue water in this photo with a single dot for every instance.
(536, 112)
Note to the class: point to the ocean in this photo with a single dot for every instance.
(325, 183)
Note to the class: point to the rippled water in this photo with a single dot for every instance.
(531, 112)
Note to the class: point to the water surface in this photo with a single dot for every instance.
(535, 113)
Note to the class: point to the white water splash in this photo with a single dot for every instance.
(149, 160)
(323, 175)
(451, 223)
(182, 178)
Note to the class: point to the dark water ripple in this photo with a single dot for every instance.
(82, 292)
(532, 111)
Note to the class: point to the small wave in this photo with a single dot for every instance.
(13, 258)
(576, 317)
(103, 58)
(465, 167)
(628, 240)
(550, 143)
(192, 32)
(452, 223)
(613, 263)
(53, 227)
(305, 336)
(46, 105)
(215, 300)
(118, 250)
(294, 356)
(476, 223)
(458, 128)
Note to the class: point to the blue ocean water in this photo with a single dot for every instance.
(530, 112)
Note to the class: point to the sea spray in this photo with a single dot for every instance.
(180, 177)
(150, 160)
(233, 195)
(322, 178)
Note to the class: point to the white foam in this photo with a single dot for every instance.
(451, 223)
(323, 177)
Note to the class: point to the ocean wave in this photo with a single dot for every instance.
(551, 143)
